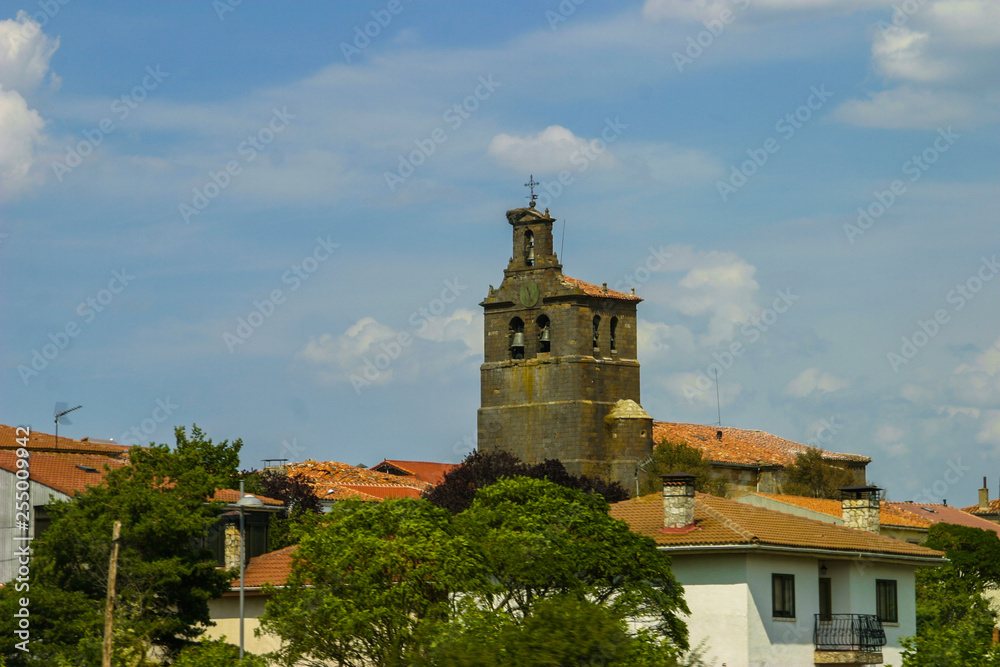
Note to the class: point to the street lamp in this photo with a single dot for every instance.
(244, 501)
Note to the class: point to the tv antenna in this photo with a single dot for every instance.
(60, 414)
(718, 403)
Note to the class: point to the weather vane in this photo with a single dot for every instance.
(531, 186)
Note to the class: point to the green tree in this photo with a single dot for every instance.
(221, 460)
(403, 582)
(164, 582)
(954, 620)
(674, 456)
(812, 476)
(216, 653)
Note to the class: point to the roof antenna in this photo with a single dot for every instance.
(60, 414)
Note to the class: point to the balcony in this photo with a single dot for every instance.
(847, 639)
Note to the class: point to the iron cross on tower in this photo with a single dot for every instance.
(531, 186)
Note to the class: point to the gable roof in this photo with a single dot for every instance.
(722, 522)
(271, 568)
(888, 514)
(937, 513)
(65, 473)
(594, 290)
(332, 480)
(742, 447)
(992, 508)
(45, 442)
(424, 471)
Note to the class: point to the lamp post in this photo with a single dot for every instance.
(244, 501)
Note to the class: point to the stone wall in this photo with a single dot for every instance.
(862, 514)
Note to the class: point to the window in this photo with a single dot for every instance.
(597, 325)
(516, 332)
(783, 595)
(825, 599)
(544, 334)
(614, 330)
(885, 601)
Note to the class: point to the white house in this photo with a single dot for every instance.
(769, 589)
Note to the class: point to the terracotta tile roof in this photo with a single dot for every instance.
(66, 473)
(741, 446)
(726, 522)
(383, 491)
(425, 471)
(888, 515)
(595, 290)
(233, 495)
(44, 442)
(270, 568)
(936, 513)
(339, 481)
(992, 508)
(342, 492)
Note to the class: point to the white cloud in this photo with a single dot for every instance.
(25, 52)
(20, 134)
(350, 352)
(814, 380)
(717, 285)
(943, 61)
(24, 63)
(657, 339)
(989, 432)
(704, 10)
(553, 149)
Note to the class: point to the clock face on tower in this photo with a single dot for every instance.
(529, 294)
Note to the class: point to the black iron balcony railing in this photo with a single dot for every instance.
(848, 632)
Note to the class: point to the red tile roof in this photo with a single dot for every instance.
(66, 473)
(338, 481)
(888, 515)
(594, 290)
(384, 491)
(936, 513)
(739, 446)
(425, 471)
(992, 508)
(726, 522)
(233, 495)
(271, 568)
(44, 442)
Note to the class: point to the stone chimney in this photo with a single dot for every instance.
(984, 496)
(678, 499)
(231, 544)
(860, 507)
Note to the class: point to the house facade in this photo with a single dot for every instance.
(769, 589)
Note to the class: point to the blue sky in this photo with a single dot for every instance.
(221, 214)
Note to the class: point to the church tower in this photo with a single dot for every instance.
(560, 378)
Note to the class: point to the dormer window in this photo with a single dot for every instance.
(544, 334)
(516, 333)
(529, 248)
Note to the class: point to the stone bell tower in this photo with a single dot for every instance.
(560, 378)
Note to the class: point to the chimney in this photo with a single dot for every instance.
(678, 499)
(984, 496)
(860, 507)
